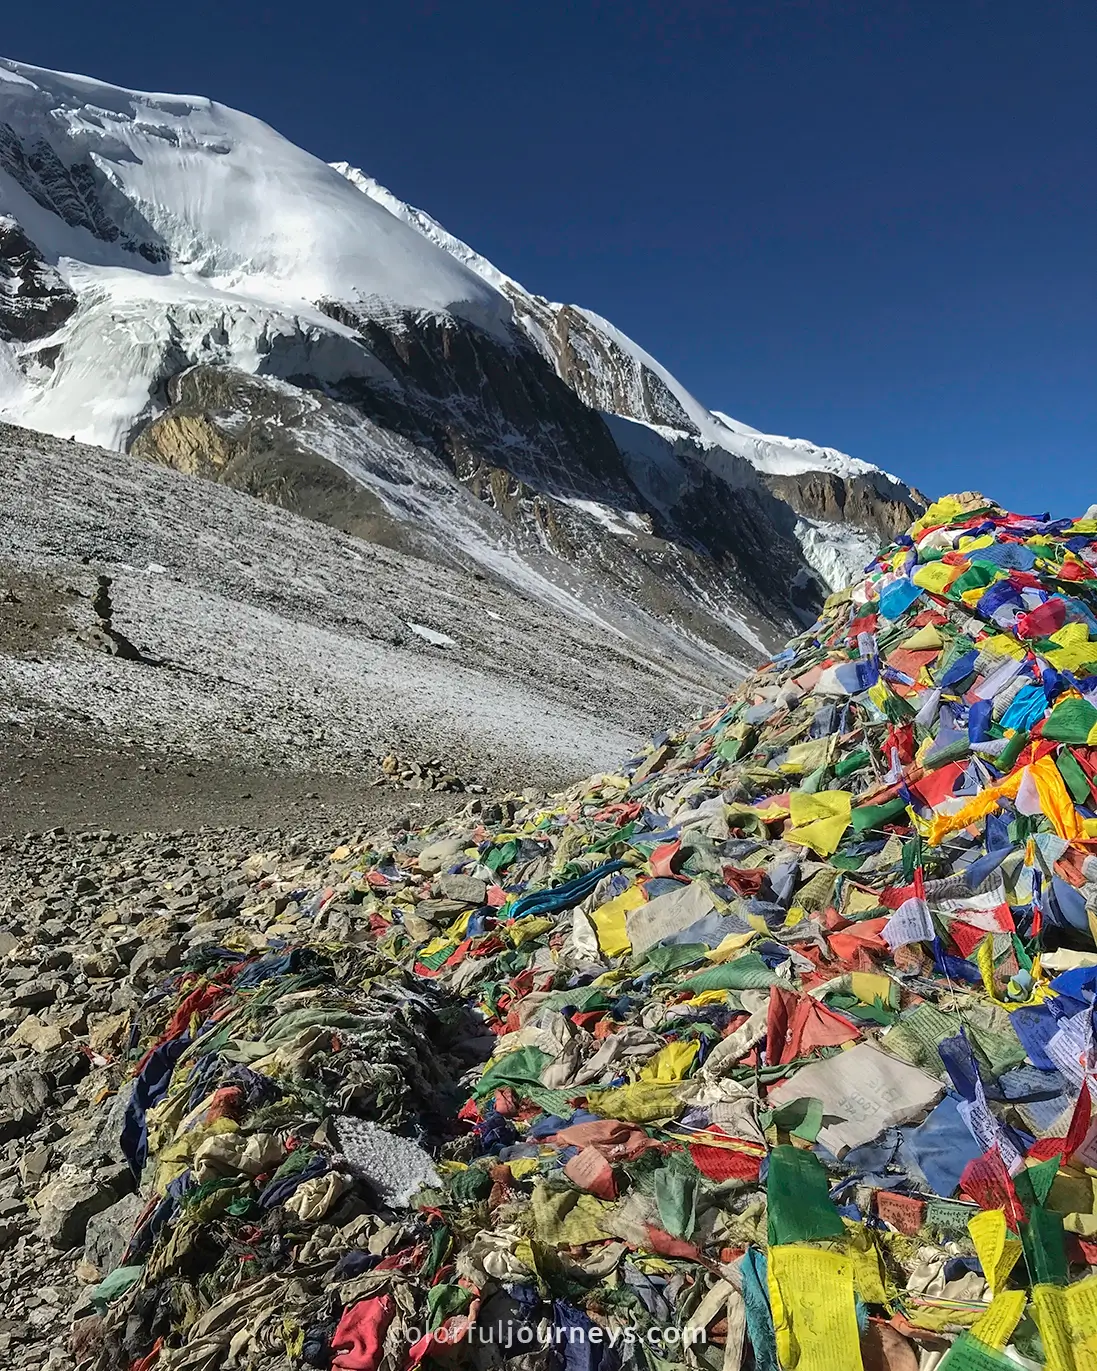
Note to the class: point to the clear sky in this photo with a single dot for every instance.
(872, 223)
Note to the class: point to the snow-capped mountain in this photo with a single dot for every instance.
(178, 280)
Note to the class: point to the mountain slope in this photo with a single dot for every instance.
(179, 281)
(614, 374)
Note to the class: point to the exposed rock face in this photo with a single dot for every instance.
(601, 372)
(76, 192)
(870, 502)
(464, 393)
(226, 427)
(468, 447)
(34, 299)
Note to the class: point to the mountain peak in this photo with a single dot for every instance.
(179, 280)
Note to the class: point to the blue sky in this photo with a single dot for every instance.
(873, 225)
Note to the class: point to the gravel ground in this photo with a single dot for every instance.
(91, 922)
(285, 664)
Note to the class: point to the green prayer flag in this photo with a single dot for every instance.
(854, 762)
(117, 1283)
(977, 575)
(444, 1300)
(473, 1184)
(848, 861)
(676, 1196)
(1074, 778)
(967, 1353)
(1033, 1183)
(1007, 758)
(948, 1216)
(519, 1068)
(954, 752)
(501, 855)
(799, 1208)
(1045, 1247)
(670, 958)
(874, 816)
(1070, 721)
(912, 857)
(804, 1118)
(748, 972)
(440, 1244)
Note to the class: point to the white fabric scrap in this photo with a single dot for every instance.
(909, 924)
(668, 914)
(863, 1091)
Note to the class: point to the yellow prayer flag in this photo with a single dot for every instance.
(733, 944)
(935, 577)
(871, 986)
(436, 945)
(819, 819)
(569, 1218)
(609, 921)
(814, 1315)
(1055, 801)
(1074, 648)
(522, 930)
(522, 1166)
(705, 998)
(642, 1102)
(969, 544)
(1081, 1302)
(868, 1275)
(808, 756)
(1003, 645)
(924, 639)
(995, 1327)
(940, 512)
(1051, 1312)
(997, 1251)
(671, 1063)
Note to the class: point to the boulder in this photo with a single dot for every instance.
(67, 1204)
(467, 889)
(108, 1233)
(437, 855)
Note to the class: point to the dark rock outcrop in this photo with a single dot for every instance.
(34, 299)
(872, 502)
(78, 193)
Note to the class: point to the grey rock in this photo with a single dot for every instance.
(467, 889)
(97, 1137)
(34, 1164)
(28, 1091)
(108, 1232)
(33, 995)
(437, 855)
(66, 1206)
(154, 957)
(17, 1123)
(39, 1036)
(102, 964)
